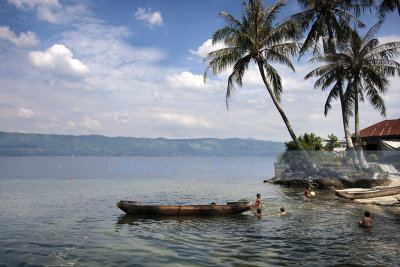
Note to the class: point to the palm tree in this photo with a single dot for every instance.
(368, 65)
(256, 39)
(365, 66)
(332, 74)
(327, 20)
(387, 6)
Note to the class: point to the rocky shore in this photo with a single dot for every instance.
(330, 177)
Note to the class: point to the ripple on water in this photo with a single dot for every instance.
(57, 223)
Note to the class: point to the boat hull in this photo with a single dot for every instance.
(136, 208)
(358, 193)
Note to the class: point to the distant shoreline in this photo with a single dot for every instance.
(30, 144)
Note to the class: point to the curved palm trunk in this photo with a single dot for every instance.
(310, 163)
(350, 148)
(360, 153)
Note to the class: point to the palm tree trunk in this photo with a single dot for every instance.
(360, 153)
(349, 142)
(309, 162)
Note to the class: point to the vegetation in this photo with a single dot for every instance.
(373, 157)
(364, 65)
(308, 142)
(386, 6)
(333, 142)
(322, 154)
(328, 20)
(314, 143)
(254, 38)
(356, 67)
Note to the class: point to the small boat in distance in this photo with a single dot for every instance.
(136, 208)
(362, 193)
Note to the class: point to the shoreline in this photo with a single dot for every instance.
(387, 200)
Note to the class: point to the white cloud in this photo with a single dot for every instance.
(29, 4)
(185, 79)
(51, 10)
(152, 18)
(53, 119)
(58, 60)
(24, 39)
(25, 113)
(71, 124)
(105, 46)
(120, 117)
(156, 95)
(206, 48)
(389, 38)
(75, 109)
(90, 123)
(184, 120)
(294, 84)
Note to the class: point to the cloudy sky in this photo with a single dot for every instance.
(134, 68)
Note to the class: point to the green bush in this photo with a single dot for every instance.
(332, 143)
(373, 157)
(308, 141)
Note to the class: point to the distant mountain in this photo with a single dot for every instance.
(29, 144)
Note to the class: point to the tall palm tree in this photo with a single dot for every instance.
(368, 65)
(364, 65)
(254, 38)
(327, 20)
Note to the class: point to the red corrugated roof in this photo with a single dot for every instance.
(383, 128)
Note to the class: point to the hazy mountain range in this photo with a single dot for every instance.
(29, 144)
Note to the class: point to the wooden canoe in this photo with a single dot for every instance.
(361, 193)
(136, 208)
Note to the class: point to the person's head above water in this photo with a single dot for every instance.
(259, 211)
(367, 214)
(308, 186)
(282, 209)
(258, 195)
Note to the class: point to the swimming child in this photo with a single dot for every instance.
(258, 203)
(283, 212)
(366, 221)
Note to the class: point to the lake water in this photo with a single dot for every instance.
(61, 211)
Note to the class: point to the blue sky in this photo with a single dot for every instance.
(134, 68)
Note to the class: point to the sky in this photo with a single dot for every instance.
(135, 68)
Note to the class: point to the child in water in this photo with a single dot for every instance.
(283, 212)
(257, 213)
(258, 203)
(366, 221)
(307, 194)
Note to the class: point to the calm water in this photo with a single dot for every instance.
(61, 212)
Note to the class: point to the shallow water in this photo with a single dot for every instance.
(65, 222)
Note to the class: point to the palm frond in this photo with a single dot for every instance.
(236, 77)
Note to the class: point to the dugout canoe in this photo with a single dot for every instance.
(362, 193)
(136, 208)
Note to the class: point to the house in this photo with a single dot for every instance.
(382, 139)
